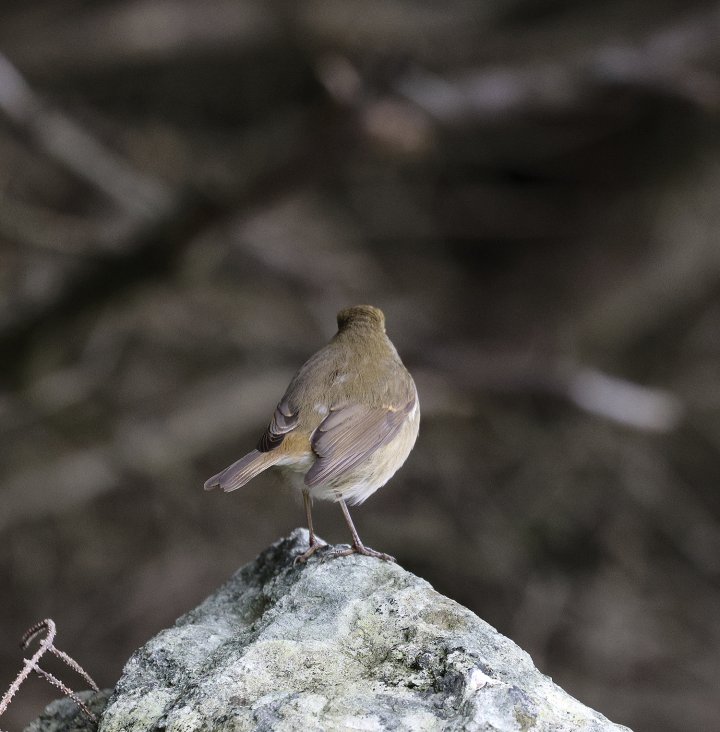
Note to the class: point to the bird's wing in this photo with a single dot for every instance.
(349, 435)
(284, 420)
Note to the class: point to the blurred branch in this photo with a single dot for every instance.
(76, 149)
(46, 230)
(208, 416)
(610, 397)
(157, 223)
(115, 35)
(641, 407)
(666, 61)
(682, 276)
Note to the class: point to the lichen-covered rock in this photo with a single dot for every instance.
(352, 643)
(64, 715)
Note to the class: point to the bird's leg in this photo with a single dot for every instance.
(308, 515)
(314, 543)
(357, 546)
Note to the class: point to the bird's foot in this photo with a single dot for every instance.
(358, 548)
(315, 546)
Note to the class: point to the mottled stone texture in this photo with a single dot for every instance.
(351, 643)
(64, 715)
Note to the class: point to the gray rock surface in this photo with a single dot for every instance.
(64, 715)
(351, 643)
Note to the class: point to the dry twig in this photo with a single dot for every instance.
(32, 664)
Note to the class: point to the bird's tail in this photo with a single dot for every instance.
(242, 471)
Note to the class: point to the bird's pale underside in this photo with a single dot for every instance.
(346, 423)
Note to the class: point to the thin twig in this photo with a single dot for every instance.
(65, 690)
(30, 664)
(75, 666)
(33, 664)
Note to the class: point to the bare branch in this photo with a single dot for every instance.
(68, 143)
(33, 665)
(30, 664)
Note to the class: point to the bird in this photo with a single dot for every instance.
(346, 423)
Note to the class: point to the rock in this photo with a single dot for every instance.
(350, 643)
(64, 715)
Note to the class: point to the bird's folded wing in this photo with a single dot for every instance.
(284, 420)
(349, 435)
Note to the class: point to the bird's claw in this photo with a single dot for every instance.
(358, 549)
(302, 558)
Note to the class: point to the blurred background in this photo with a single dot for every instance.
(529, 189)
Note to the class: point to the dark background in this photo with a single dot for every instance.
(529, 189)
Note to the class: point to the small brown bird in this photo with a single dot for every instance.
(344, 426)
